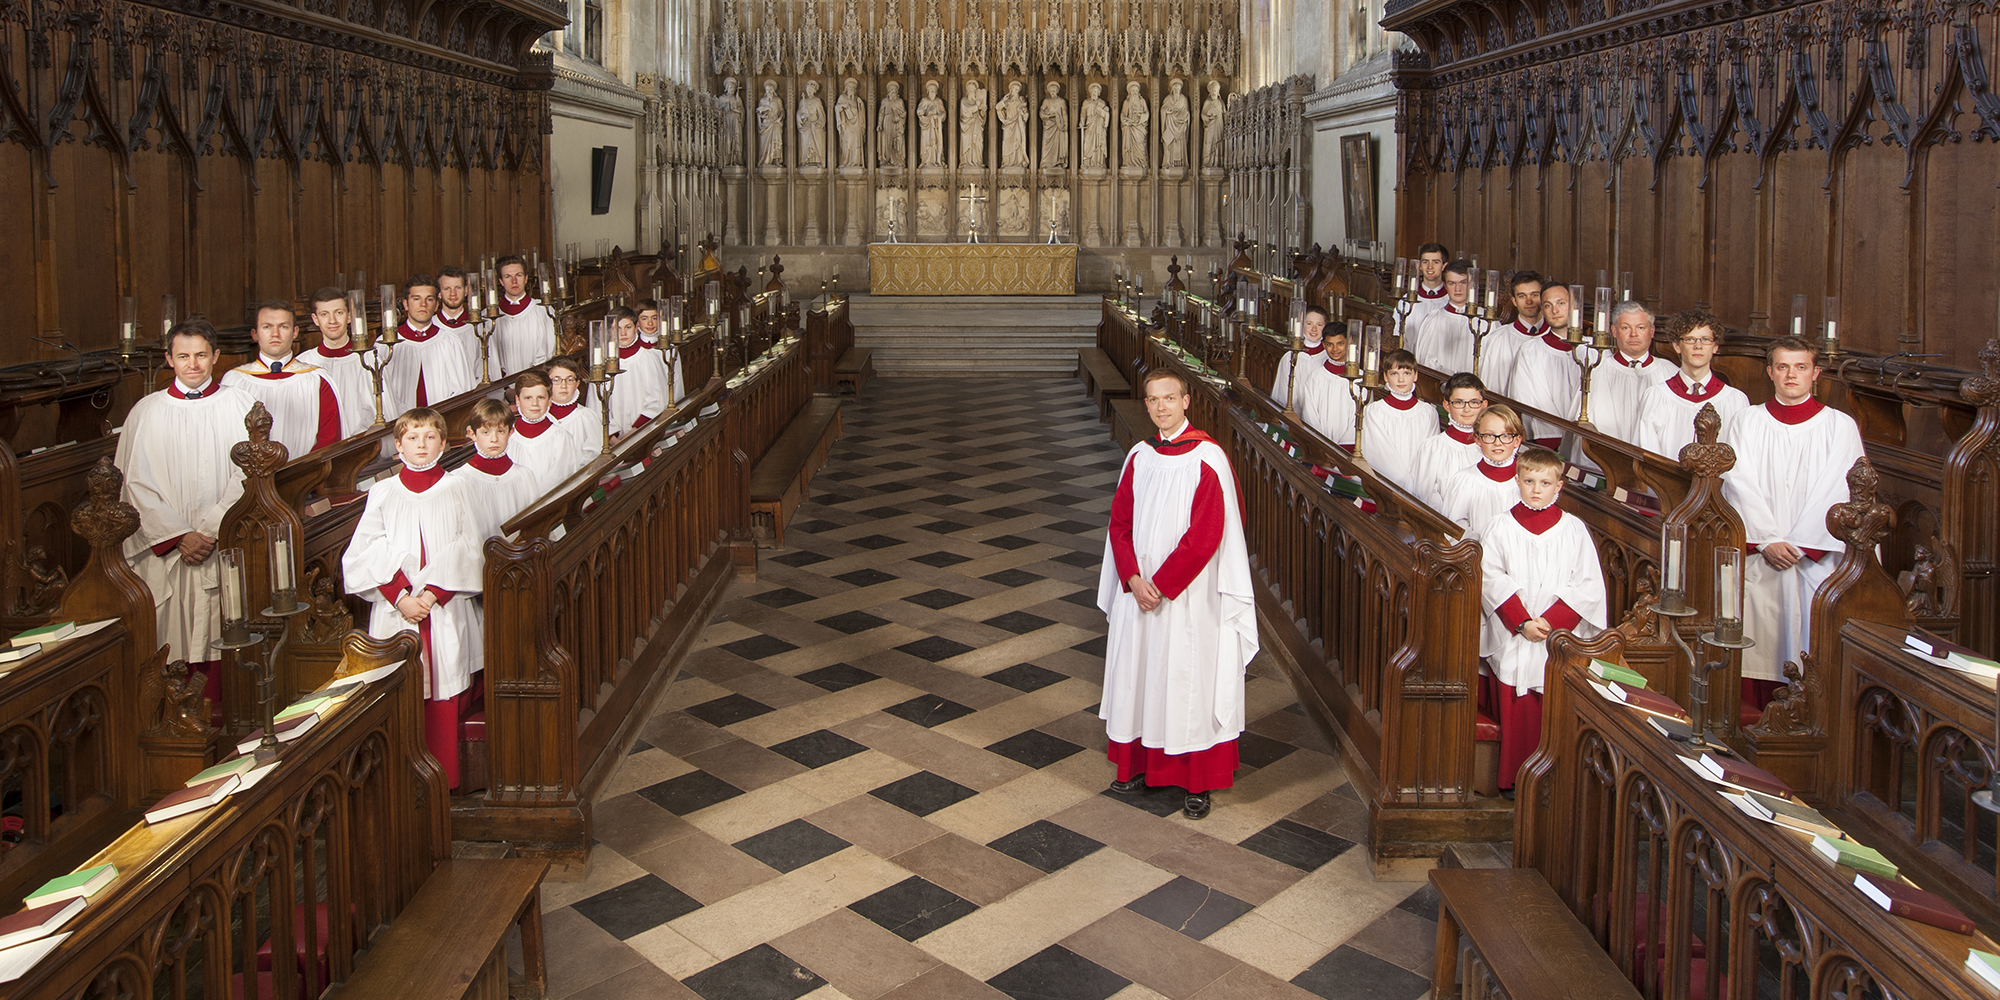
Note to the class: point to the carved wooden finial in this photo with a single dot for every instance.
(1707, 457)
(1981, 390)
(258, 456)
(103, 519)
(1862, 521)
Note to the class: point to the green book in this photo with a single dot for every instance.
(1859, 857)
(1967, 661)
(234, 765)
(77, 884)
(304, 706)
(1985, 965)
(54, 632)
(1605, 670)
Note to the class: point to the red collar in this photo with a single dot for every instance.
(1336, 369)
(1557, 342)
(1497, 473)
(628, 353)
(1530, 331)
(202, 391)
(463, 317)
(561, 411)
(1425, 293)
(404, 331)
(1797, 414)
(1679, 386)
(513, 308)
(1462, 437)
(533, 428)
(1629, 363)
(335, 352)
(1536, 521)
(1452, 309)
(417, 482)
(1181, 445)
(490, 466)
(1401, 404)
(1314, 349)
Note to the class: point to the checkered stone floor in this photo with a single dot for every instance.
(881, 775)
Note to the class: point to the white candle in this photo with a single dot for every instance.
(232, 585)
(1674, 564)
(281, 564)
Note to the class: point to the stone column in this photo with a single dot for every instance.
(774, 203)
(814, 201)
(733, 225)
(853, 203)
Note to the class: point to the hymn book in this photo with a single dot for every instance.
(46, 634)
(37, 922)
(1788, 814)
(1650, 702)
(1985, 965)
(16, 961)
(1859, 857)
(1738, 774)
(195, 799)
(286, 731)
(76, 885)
(1911, 903)
(1604, 670)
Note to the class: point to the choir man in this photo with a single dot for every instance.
(1443, 340)
(1429, 287)
(1617, 384)
(1312, 331)
(1544, 373)
(568, 408)
(304, 408)
(1176, 590)
(1396, 428)
(1792, 458)
(1472, 497)
(453, 314)
(649, 322)
(1496, 355)
(1441, 457)
(337, 359)
(640, 393)
(524, 336)
(497, 488)
(1325, 399)
(538, 443)
(428, 363)
(1667, 409)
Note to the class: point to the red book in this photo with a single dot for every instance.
(40, 922)
(1911, 903)
(1742, 775)
(1651, 702)
(182, 801)
(324, 504)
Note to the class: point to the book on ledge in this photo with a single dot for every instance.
(19, 651)
(44, 635)
(366, 677)
(324, 504)
(233, 767)
(1739, 774)
(1985, 965)
(1605, 670)
(16, 961)
(37, 922)
(1673, 729)
(192, 799)
(1859, 857)
(1952, 657)
(1911, 903)
(76, 885)
(1791, 815)
(1650, 702)
(286, 731)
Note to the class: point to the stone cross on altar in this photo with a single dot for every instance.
(973, 200)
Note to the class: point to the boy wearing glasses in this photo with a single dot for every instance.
(1474, 496)
(567, 410)
(1667, 410)
(1442, 455)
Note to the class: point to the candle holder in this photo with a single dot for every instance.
(374, 356)
(1587, 358)
(1480, 322)
(1292, 374)
(1362, 393)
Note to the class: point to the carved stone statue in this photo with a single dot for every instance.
(930, 127)
(1055, 128)
(1133, 117)
(731, 105)
(812, 127)
(1012, 110)
(771, 126)
(972, 126)
(891, 124)
(850, 120)
(1096, 128)
(1174, 118)
(1211, 126)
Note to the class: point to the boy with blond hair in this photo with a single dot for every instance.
(1473, 495)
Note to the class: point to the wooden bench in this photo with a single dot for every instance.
(1519, 940)
(855, 367)
(1130, 423)
(779, 481)
(451, 941)
(1101, 379)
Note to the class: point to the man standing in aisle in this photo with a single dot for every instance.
(1175, 588)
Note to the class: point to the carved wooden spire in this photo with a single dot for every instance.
(1705, 457)
(1862, 521)
(103, 519)
(260, 456)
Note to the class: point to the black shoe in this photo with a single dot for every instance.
(1137, 783)
(1196, 805)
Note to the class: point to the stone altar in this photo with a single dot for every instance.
(972, 269)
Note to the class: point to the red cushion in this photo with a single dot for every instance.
(473, 728)
(1485, 730)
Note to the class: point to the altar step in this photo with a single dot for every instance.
(997, 336)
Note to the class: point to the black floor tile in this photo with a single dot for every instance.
(929, 710)
(935, 648)
(689, 792)
(875, 541)
(814, 526)
(800, 559)
(1011, 578)
(1035, 748)
(948, 477)
(1423, 902)
(757, 647)
(1005, 487)
(943, 527)
(791, 846)
(637, 906)
(1297, 845)
(936, 600)
(1190, 907)
(728, 710)
(1261, 751)
(1164, 800)
(1081, 560)
(1349, 973)
(893, 487)
(639, 746)
(883, 513)
(895, 466)
(819, 748)
(1009, 542)
(913, 908)
(865, 577)
(1001, 466)
(1005, 513)
(1090, 647)
(854, 621)
(1046, 846)
(1082, 598)
(1075, 527)
(1056, 973)
(1026, 677)
(783, 597)
(762, 973)
(940, 560)
(1296, 709)
(948, 500)
(837, 677)
(923, 793)
(1018, 622)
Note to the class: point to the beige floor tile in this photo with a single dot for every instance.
(974, 871)
(752, 813)
(899, 738)
(705, 868)
(857, 775)
(855, 955)
(1012, 599)
(944, 983)
(636, 771)
(1019, 649)
(642, 980)
(874, 825)
(1247, 875)
(788, 902)
(1137, 833)
(1332, 904)
(1248, 983)
(629, 824)
(1135, 991)
(828, 712)
(857, 600)
(969, 766)
(686, 692)
(1400, 938)
(723, 632)
(605, 869)
(982, 729)
(680, 734)
(997, 937)
(587, 955)
(794, 662)
(1011, 806)
(1149, 953)
(1270, 946)
(1268, 795)
(1264, 695)
(1084, 729)
(747, 765)
(670, 952)
(1294, 729)
(827, 992)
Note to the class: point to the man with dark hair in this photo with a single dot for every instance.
(336, 357)
(524, 336)
(428, 364)
(1667, 409)
(305, 410)
(174, 451)
(1312, 330)
(1429, 285)
(1443, 339)
(1544, 374)
(1176, 589)
(1504, 344)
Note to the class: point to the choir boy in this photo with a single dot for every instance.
(336, 357)
(174, 451)
(304, 408)
(1325, 399)
(1431, 295)
(1176, 590)
(1617, 384)
(1544, 374)
(1395, 428)
(538, 442)
(649, 322)
(1440, 457)
(1539, 575)
(452, 314)
(1312, 331)
(1792, 458)
(1443, 340)
(1473, 496)
(640, 393)
(428, 363)
(415, 556)
(1496, 356)
(524, 336)
(569, 410)
(1667, 410)
(496, 487)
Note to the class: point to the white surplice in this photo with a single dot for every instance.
(1326, 401)
(1428, 301)
(1281, 386)
(352, 383)
(496, 489)
(1616, 387)
(524, 336)
(583, 425)
(174, 452)
(547, 449)
(639, 395)
(1500, 348)
(1786, 477)
(1443, 341)
(428, 538)
(1394, 432)
(1667, 410)
(1539, 569)
(1440, 458)
(1173, 676)
(1545, 376)
(433, 358)
(466, 327)
(1473, 496)
(298, 397)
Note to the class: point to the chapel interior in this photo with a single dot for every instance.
(792, 691)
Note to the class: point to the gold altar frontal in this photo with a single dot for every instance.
(972, 268)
